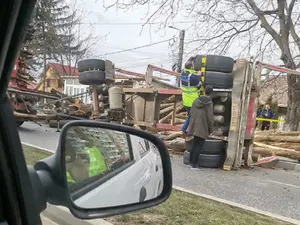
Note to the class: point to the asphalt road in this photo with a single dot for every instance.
(275, 191)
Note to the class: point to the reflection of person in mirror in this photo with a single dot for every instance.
(97, 163)
(76, 168)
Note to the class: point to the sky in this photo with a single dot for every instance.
(118, 30)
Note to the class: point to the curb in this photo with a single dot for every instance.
(37, 147)
(62, 216)
(237, 205)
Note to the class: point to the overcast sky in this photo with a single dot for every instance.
(122, 30)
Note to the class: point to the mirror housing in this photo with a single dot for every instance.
(87, 213)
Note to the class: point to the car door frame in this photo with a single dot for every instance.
(15, 18)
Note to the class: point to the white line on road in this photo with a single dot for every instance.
(38, 147)
(277, 182)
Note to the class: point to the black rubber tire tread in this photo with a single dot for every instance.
(215, 63)
(211, 147)
(92, 77)
(211, 161)
(219, 80)
(186, 158)
(19, 123)
(206, 161)
(91, 64)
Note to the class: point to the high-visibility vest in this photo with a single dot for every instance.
(70, 179)
(97, 164)
(189, 94)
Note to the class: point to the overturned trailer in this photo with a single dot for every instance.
(235, 101)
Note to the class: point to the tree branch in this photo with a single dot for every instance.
(265, 24)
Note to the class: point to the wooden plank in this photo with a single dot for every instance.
(174, 111)
(166, 91)
(139, 123)
(165, 126)
(243, 120)
(239, 72)
(138, 90)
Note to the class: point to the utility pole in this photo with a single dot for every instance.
(180, 52)
(44, 61)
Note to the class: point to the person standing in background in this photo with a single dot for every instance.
(190, 84)
(201, 124)
(266, 113)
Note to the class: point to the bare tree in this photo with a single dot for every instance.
(75, 46)
(265, 29)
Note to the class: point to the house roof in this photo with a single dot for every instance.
(63, 70)
(277, 87)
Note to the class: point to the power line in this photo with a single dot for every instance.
(133, 23)
(139, 52)
(130, 49)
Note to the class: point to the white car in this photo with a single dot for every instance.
(137, 180)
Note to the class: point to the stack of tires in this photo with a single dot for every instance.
(218, 70)
(212, 155)
(218, 74)
(95, 71)
(99, 74)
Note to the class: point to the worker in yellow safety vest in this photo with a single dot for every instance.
(79, 169)
(190, 84)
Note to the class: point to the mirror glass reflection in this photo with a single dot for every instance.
(110, 168)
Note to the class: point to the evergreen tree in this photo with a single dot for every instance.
(25, 57)
(55, 39)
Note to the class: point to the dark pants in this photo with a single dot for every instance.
(187, 121)
(198, 143)
(265, 125)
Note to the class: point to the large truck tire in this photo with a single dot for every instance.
(211, 161)
(92, 77)
(211, 147)
(218, 80)
(215, 63)
(186, 158)
(91, 64)
(206, 161)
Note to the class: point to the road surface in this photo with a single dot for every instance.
(275, 191)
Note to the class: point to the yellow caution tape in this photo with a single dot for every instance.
(269, 120)
(203, 69)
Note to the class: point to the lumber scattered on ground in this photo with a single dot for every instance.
(286, 144)
(269, 152)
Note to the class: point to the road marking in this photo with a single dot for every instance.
(38, 147)
(277, 182)
(234, 204)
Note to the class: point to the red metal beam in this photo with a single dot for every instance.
(166, 91)
(138, 74)
(159, 69)
(164, 126)
(279, 69)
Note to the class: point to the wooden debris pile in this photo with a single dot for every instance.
(172, 111)
(286, 144)
(58, 113)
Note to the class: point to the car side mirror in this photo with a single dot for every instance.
(110, 169)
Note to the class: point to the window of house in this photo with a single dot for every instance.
(76, 81)
(69, 81)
